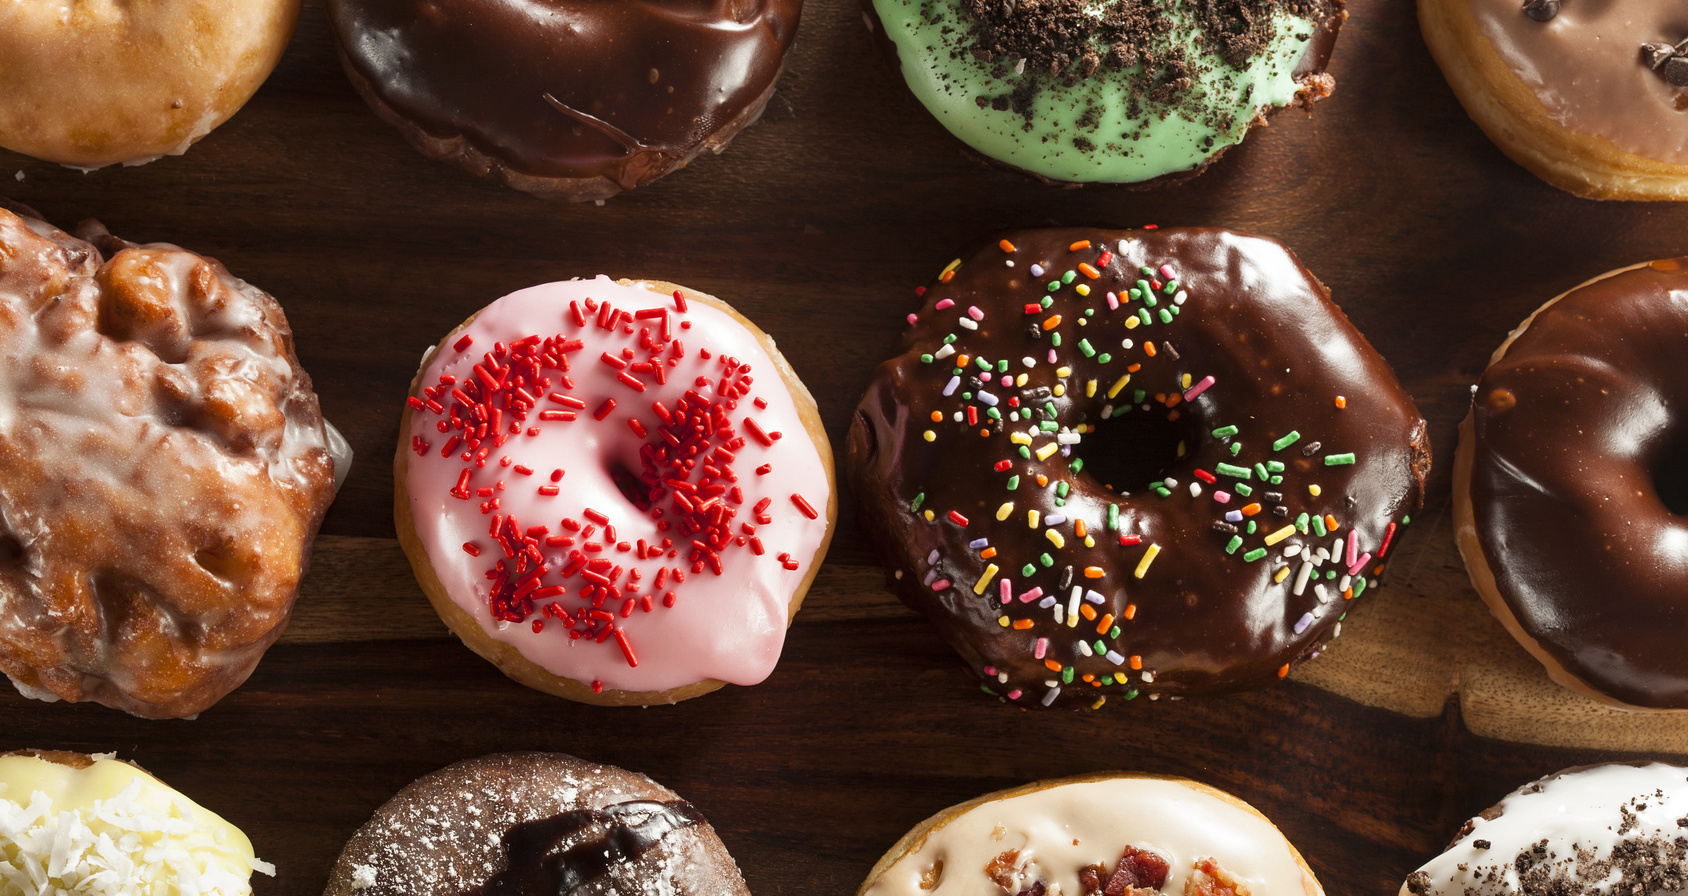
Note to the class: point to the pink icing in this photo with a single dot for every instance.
(728, 626)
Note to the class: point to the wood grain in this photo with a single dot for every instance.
(817, 223)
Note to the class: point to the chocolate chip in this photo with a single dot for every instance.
(1066, 578)
(1224, 528)
(1656, 55)
(1170, 351)
(1311, 449)
(1541, 10)
(1275, 497)
(1675, 71)
(1481, 844)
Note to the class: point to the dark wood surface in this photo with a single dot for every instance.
(817, 223)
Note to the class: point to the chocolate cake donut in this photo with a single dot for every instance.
(164, 466)
(566, 99)
(524, 824)
(1075, 91)
(1568, 487)
(1277, 458)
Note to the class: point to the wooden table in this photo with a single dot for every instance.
(1429, 238)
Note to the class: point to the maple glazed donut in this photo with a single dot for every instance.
(164, 467)
(1110, 834)
(96, 82)
(1615, 828)
(567, 99)
(616, 492)
(1288, 459)
(1568, 491)
(1076, 91)
(1590, 95)
(525, 824)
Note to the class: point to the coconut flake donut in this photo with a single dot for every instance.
(1281, 459)
(641, 510)
(164, 467)
(1119, 91)
(566, 99)
(1572, 449)
(535, 823)
(1595, 830)
(89, 83)
(1590, 95)
(74, 823)
(1114, 833)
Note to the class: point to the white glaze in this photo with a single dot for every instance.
(1583, 808)
(1064, 828)
(729, 627)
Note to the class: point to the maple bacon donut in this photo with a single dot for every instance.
(566, 99)
(1568, 487)
(1109, 834)
(989, 460)
(617, 492)
(1590, 95)
(535, 823)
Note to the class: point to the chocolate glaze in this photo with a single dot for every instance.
(548, 857)
(1571, 427)
(620, 89)
(1204, 620)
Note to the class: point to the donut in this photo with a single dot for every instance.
(641, 510)
(94, 84)
(1117, 92)
(1133, 462)
(1567, 489)
(1594, 830)
(75, 823)
(566, 99)
(163, 469)
(1589, 95)
(1111, 833)
(530, 823)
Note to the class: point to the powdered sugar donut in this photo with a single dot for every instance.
(616, 492)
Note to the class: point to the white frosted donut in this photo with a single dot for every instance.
(597, 541)
(1616, 828)
(90, 83)
(1083, 836)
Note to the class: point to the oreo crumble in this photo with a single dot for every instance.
(1063, 44)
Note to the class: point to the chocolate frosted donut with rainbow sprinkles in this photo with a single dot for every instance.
(1123, 463)
(617, 492)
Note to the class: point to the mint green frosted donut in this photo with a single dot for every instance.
(1089, 132)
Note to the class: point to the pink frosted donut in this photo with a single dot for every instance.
(616, 492)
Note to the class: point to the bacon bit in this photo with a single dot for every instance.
(1208, 879)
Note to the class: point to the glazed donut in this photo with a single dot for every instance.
(163, 469)
(1111, 833)
(643, 509)
(1587, 94)
(75, 823)
(522, 823)
(980, 457)
(1070, 91)
(566, 99)
(90, 84)
(1589, 831)
(1573, 430)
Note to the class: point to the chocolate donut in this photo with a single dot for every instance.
(1121, 91)
(525, 824)
(164, 466)
(1568, 490)
(1280, 454)
(568, 99)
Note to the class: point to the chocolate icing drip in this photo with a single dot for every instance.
(1573, 426)
(538, 863)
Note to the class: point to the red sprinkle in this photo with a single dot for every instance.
(463, 342)
(604, 409)
(957, 518)
(758, 433)
(1129, 540)
(1205, 476)
(810, 511)
(471, 549)
(679, 301)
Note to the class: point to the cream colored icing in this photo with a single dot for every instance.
(1069, 826)
(1586, 811)
(1585, 67)
(730, 626)
(112, 828)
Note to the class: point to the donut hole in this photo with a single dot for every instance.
(1670, 476)
(633, 488)
(1131, 450)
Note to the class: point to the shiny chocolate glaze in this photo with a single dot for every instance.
(618, 89)
(1196, 618)
(1574, 426)
(549, 857)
